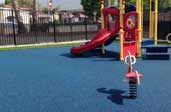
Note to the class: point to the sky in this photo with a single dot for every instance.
(64, 4)
(2, 1)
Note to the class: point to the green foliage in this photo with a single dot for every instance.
(46, 10)
(8, 2)
(25, 3)
(131, 1)
(22, 3)
(40, 46)
(112, 2)
(56, 9)
(91, 6)
(60, 21)
(146, 4)
(163, 4)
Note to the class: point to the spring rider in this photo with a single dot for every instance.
(132, 75)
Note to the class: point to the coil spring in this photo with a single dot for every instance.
(132, 88)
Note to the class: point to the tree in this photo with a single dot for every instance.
(23, 3)
(107, 2)
(21, 27)
(34, 11)
(112, 2)
(91, 6)
(163, 4)
(56, 9)
(8, 2)
(130, 1)
(46, 10)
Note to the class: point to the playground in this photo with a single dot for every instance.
(131, 74)
(55, 81)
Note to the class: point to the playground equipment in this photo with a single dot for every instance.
(130, 34)
(168, 38)
(153, 20)
(110, 30)
(129, 26)
(156, 52)
(132, 75)
(105, 36)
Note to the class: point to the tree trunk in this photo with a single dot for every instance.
(34, 11)
(107, 3)
(34, 16)
(21, 27)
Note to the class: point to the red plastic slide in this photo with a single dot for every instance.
(101, 37)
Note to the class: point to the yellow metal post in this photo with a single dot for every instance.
(103, 48)
(150, 21)
(102, 17)
(122, 11)
(152, 24)
(102, 24)
(139, 10)
(156, 22)
(142, 19)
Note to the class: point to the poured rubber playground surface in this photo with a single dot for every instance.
(51, 80)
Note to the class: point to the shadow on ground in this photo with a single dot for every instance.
(115, 95)
(96, 53)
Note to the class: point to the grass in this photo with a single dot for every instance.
(165, 43)
(40, 46)
(56, 46)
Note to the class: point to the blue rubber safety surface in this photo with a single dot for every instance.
(51, 80)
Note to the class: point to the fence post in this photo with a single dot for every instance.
(86, 36)
(54, 27)
(13, 27)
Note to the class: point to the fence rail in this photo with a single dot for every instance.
(47, 29)
(47, 33)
